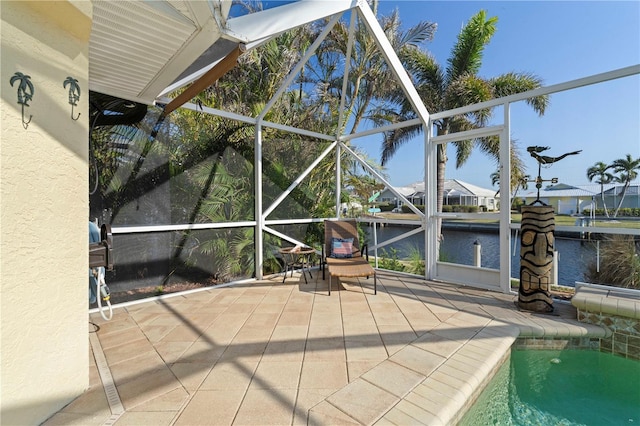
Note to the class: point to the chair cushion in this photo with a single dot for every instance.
(353, 267)
(341, 247)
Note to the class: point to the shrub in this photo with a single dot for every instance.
(407, 209)
(416, 262)
(517, 204)
(624, 212)
(455, 208)
(390, 261)
(459, 209)
(386, 207)
(619, 263)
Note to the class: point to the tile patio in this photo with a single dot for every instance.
(269, 353)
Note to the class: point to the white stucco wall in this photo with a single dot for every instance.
(43, 214)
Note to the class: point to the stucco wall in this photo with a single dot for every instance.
(44, 208)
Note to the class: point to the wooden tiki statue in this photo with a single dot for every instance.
(536, 258)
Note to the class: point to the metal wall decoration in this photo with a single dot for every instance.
(74, 93)
(25, 93)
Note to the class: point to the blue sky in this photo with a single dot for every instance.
(558, 41)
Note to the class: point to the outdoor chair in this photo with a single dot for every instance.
(342, 254)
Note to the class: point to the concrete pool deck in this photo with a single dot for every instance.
(287, 353)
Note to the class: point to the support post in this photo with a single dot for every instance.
(258, 237)
(505, 201)
(338, 179)
(429, 220)
(477, 254)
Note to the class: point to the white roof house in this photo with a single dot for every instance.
(456, 192)
(567, 199)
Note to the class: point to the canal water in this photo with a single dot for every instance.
(575, 255)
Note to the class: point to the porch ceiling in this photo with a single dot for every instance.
(141, 50)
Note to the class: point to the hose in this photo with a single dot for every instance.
(103, 294)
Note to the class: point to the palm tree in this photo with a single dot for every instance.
(371, 81)
(628, 169)
(363, 186)
(456, 86)
(599, 171)
(518, 181)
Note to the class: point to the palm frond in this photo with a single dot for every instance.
(423, 31)
(511, 83)
(599, 170)
(459, 123)
(394, 139)
(466, 55)
(470, 89)
(426, 72)
(627, 167)
(463, 151)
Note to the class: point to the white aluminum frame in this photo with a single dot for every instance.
(429, 219)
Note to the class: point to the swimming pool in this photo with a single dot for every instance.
(553, 387)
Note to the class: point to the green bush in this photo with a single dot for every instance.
(624, 212)
(407, 209)
(459, 209)
(390, 261)
(386, 207)
(517, 204)
(416, 263)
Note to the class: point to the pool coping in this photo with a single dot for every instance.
(610, 300)
(444, 393)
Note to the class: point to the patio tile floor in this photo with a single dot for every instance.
(288, 353)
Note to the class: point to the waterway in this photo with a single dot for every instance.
(575, 255)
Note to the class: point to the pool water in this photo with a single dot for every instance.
(568, 387)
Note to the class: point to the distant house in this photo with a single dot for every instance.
(574, 199)
(565, 199)
(612, 197)
(456, 192)
(413, 192)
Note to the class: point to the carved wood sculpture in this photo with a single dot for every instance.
(536, 258)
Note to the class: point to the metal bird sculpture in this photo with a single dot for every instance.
(544, 159)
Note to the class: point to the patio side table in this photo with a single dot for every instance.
(297, 258)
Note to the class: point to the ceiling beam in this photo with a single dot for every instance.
(210, 77)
